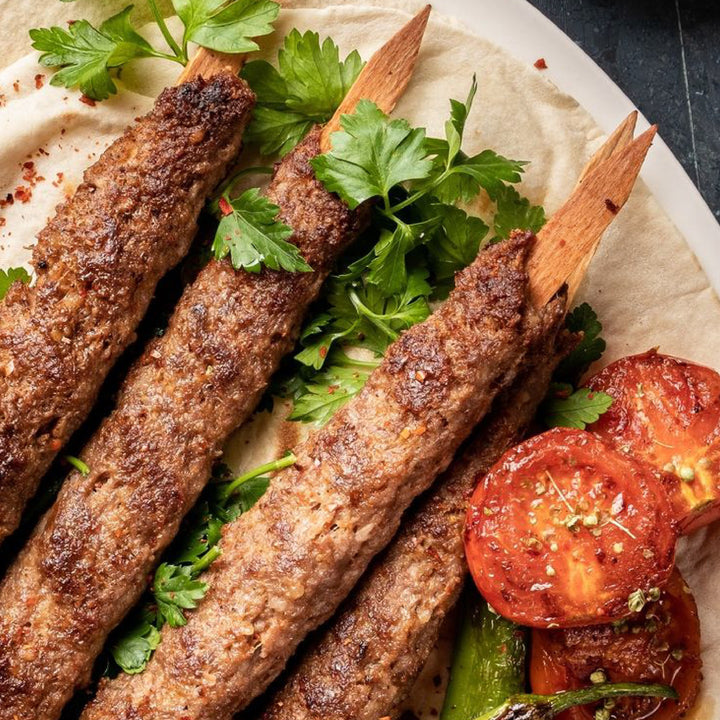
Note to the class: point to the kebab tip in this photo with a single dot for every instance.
(386, 75)
(574, 231)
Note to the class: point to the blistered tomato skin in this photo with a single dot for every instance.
(660, 644)
(666, 412)
(564, 529)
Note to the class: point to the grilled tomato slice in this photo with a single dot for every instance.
(565, 531)
(666, 411)
(658, 644)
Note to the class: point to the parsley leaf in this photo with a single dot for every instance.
(387, 269)
(11, 275)
(253, 236)
(371, 155)
(455, 176)
(364, 316)
(309, 84)
(585, 320)
(226, 26)
(515, 212)
(459, 241)
(577, 409)
(175, 590)
(133, 649)
(86, 54)
(331, 389)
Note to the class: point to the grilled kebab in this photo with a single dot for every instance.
(364, 664)
(97, 263)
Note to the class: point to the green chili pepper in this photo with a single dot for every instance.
(488, 663)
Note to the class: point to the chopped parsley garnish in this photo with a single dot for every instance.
(419, 240)
(10, 276)
(88, 57)
(176, 586)
(308, 85)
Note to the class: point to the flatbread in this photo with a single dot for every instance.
(645, 282)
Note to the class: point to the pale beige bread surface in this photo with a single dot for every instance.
(644, 281)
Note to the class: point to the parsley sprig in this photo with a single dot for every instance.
(418, 240)
(566, 406)
(305, 89)
(89, 57)
(177, 585)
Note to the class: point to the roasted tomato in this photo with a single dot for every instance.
(667, 412)
(661, 643)
(564, 530)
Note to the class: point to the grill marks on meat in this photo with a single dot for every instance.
(89, 559)
(97, 263)
(363, 665)
(289, 562)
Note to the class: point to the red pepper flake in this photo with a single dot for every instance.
(43, 151)
(59, 178)
(39, 80)
(540, 64)
(88, 101)
(323, 352)
(611, 206)
(225, 207)
(9, 200)
(55, 444)
(2, 222)
(23, 194)
(2, 101)
(16, 86)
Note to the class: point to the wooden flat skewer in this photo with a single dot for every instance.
(574, 231)
(618, 141)
(207, 63)
(620, 138)
(386, 75)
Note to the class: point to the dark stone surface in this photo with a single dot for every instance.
(665, 55)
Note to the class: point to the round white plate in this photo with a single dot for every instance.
(520, 29)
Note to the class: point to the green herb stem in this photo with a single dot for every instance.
(273, 466)
(206, 560)
(78, 464)
(546, 707)
(180, 55)
(604, 691)
(375, 318)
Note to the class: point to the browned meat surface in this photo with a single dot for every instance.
(289, 562)
(89, 559)
(97, 263)
(364, 664)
